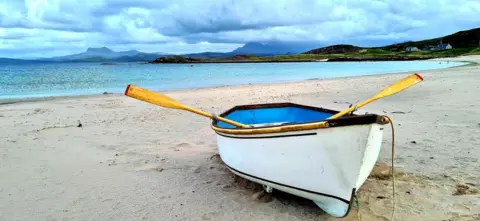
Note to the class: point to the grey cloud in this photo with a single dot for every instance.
(229, 22)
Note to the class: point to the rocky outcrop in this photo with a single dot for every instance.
(335, 49)
(175, 60)
(240, 57)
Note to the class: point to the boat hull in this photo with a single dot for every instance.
(326, 165)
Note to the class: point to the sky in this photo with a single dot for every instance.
(43, 28)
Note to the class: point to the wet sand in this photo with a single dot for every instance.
(130, 160)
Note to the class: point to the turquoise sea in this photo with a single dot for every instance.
(59, 79)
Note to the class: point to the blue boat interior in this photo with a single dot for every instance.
(269, 115)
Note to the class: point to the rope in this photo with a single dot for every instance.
(393, 176)
(393, 169)
(358, 208)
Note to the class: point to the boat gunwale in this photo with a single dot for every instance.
(350, 120)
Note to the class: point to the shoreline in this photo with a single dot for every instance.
(7, 101)
(243, 59)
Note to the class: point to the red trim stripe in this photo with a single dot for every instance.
(419, 76)
(126, 91)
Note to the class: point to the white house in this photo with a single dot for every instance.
(412, 49)
(443, 47)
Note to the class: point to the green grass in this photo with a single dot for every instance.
(375, 52)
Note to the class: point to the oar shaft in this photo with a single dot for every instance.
(392, 89)
(218, 117)
(164, 101)
(351, 109)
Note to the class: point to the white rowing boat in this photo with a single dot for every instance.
(319, 154)
(326, 161)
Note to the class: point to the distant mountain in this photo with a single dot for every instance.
(208, 55)
(266, 49)
(105, 54)
(274, 48)
(140, 57)
(223, 54)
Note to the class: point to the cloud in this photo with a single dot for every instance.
(56, 27)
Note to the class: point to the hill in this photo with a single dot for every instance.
(273, 48)
(468, 39)
(266, 49)
(105, 54)
(17, 61)
(140, 57)
(335, 49)
(461, 39)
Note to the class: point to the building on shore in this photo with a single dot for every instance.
(443, 47)
(410, 49)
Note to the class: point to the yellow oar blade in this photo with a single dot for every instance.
(390, 90)
(152, 97)
(164, 101)
(400, 86)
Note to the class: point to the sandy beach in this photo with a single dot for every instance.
(111, 157)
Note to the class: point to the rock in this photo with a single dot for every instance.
(116, 154)
(432, 158)
(106, 92)
(241, 57)
(175, 59)
(381, 171)
(159, 169)
(381, 197)
(262, 196)
(335, 49)
(414, 142)
(79, 124)
(463, 189)
(197, 170)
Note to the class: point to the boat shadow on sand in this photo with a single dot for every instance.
(375, 196)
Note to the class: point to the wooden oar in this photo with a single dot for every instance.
(390, 90)
(164, 101)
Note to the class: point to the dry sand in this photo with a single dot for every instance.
(131, 160)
